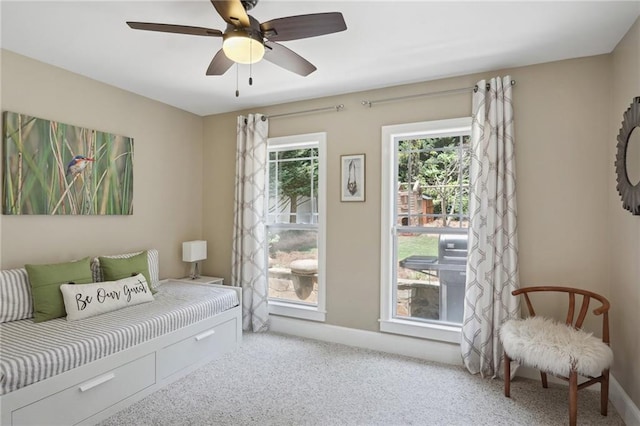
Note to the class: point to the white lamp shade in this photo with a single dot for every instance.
(193, 251)
(240, 47)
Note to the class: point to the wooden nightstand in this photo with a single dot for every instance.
(202, 280)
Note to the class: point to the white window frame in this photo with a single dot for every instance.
(389, 324)
(290, 309)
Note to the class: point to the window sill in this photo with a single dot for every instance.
(311, 313)
(442, 333)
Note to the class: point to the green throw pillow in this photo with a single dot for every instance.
(114, 269)
(45, 283)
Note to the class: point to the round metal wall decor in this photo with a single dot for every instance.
(628, 165)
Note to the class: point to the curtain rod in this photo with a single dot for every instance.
(336, 108)
(419, 95)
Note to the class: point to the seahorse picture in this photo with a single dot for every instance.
(353, 177)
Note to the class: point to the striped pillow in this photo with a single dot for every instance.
(15, 295)
(152, 259)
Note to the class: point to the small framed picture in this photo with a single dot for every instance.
(352, 177)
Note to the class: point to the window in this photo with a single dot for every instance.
(425, 217)
(295, 225)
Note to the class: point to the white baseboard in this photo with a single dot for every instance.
(624, 405)
(446, 353)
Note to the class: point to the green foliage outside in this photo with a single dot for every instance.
(412, 245)
(422, 245)
(441, 167)
(293, 178)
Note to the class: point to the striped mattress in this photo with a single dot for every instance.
(31, 352)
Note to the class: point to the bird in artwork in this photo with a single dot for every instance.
(78, 164)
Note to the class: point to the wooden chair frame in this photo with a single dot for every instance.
(574, 387)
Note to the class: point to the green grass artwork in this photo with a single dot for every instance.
(52, 168)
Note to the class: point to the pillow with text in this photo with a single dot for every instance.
(88, 300)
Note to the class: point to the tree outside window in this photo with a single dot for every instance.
(437, 168)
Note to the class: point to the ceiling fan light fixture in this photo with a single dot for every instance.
(245, 39)
(241, 47)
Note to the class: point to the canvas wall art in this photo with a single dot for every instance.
(53, 168)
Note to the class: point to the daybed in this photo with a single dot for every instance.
(80, 372)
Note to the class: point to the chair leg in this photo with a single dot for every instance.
(543, 377)
(604, 392)
(573, 398)
(507, 375)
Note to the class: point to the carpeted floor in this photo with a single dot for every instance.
(281, 380)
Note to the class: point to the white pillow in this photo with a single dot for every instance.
(87, 300)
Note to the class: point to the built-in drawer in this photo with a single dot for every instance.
(76, 403)
(205, 344)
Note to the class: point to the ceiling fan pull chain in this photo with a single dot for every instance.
(250, 62)
(237, 91)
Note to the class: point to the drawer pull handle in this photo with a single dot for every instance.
(96, 382)
(205, 335)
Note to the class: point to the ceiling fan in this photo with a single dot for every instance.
(246, 41)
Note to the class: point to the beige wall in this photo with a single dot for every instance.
(167, 170)
(624, 228)
(562, 126)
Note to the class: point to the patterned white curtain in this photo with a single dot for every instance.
(249, 257)
(492, 267)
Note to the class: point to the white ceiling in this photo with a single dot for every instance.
(386, 43)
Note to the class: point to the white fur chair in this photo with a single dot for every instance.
(561, 349)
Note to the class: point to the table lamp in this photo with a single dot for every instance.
(194, 252)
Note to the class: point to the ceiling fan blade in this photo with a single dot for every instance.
(178, 29)
(287, 59)
(219, 64)
(232, 12)
(303, 26)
